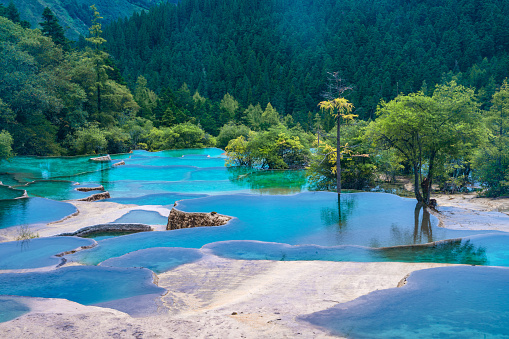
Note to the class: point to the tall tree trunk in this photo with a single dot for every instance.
(417, 185)
(338, 157)
(427, 182)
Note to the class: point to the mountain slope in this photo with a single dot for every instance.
(280, 51)
(75, 15)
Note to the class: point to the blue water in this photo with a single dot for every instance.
(447, 302)
(305, 218)
(273, 220)
(11, 309)
(7, 192)
(32, 210)
(143, 217)
(38, 252)
(86, 285)
(167, 199)
(159, 259)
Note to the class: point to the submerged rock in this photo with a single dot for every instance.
(97, 196)
(107, 228)
(88, 189)
(119, 163)
(178, 219)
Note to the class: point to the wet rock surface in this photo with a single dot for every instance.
(178, 219)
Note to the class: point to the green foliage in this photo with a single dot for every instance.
(188, 136)
(491, 161)
(5, 145)
(11, 12)
(89, 140)
(281, 51)
(51, 28)
(430, 132)
(276, 148)
(95, 30)
(358, 165)
(229, 132)
(146, 99)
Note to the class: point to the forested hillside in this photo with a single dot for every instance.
(75, 14)
(280, 51)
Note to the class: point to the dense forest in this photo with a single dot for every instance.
(75, 15)
(248, 77)
(280, 51)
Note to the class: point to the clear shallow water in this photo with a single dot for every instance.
(305, 218)
(143, 217)
(86, 285)
(32, 210)
(474, 250)
(54, 189)
(159, 259)
(447, 302)
(38, 252)
(306, 226)
(7, 192)
(11, 309)
(191, 171)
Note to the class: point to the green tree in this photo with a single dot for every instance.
(5, 145)
(428, 131)
(51, 28)
(341, 109)
(89, 140)
(146, 98)
(491, 161)
(229, 132)
(229, 107)
(95, 38)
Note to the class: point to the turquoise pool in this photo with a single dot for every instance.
(275, 218)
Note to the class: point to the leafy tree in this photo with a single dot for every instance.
(229, 132)
(357, 164)
(270, 118)
(254, 116)
(427, 131)
(51, 28)
(276, 148)
(5, 145)
(146, 98)
(491, 161)
(89, 140)
(229, 107)
(188, 136)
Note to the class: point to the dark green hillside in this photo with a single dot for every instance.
(279, 51)
(75, 14)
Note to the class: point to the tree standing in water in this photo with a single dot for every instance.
(339, 108)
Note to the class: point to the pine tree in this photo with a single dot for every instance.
(51, 28)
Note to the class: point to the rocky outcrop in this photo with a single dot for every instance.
(119, 163)
(88, 189)
(103, 158)
(97, 196)
(178, 219)
(108, 228)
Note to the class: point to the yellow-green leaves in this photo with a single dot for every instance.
(96, 29)
(338, 107)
